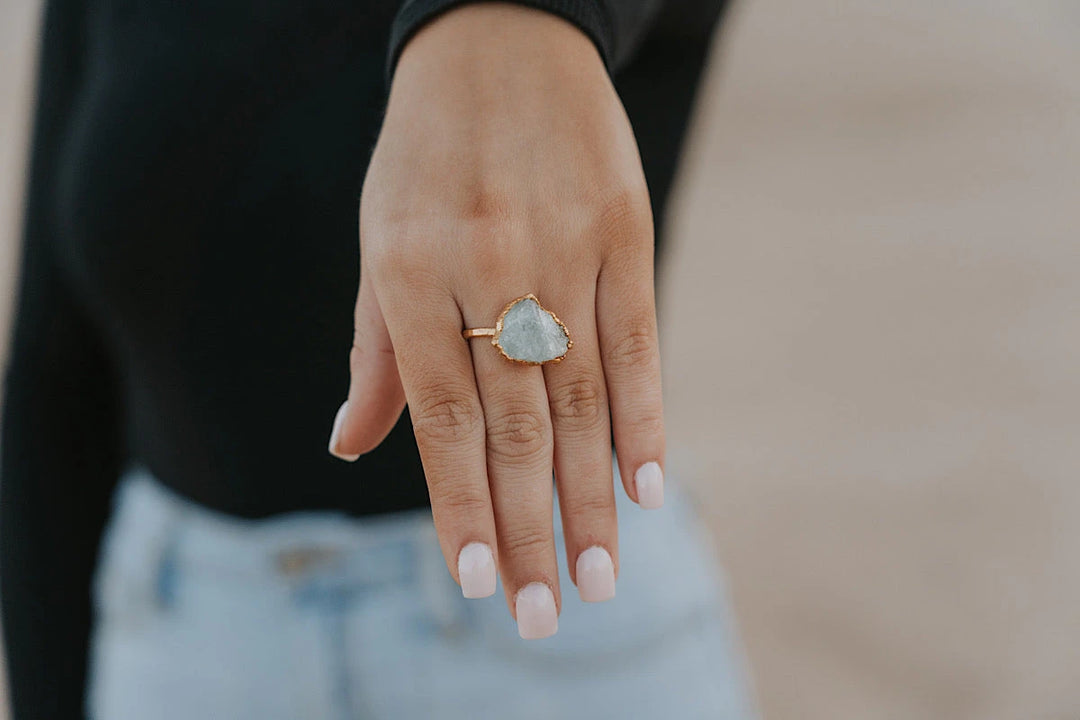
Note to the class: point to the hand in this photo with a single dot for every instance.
(506, 165)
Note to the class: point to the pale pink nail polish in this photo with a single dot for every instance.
(339, 420)
(536, 614)
(476, 570)
(595, 575)
(649, 480)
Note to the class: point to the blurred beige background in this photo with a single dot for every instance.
(871, 321)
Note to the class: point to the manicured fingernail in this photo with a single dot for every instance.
(476, 570)
(649, 480)
(536, 615)
(339, 420)
(595, 575)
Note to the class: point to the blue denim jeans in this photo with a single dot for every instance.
(316, 615)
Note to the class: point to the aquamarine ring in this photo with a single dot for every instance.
(527, 332)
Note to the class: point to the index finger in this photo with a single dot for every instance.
(436, 372)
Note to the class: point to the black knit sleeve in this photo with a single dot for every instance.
(60, 452)
(615, 26)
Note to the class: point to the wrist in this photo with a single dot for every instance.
(498, 42)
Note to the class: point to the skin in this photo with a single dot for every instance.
(506, 165)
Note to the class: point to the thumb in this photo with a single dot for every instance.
(376, 397)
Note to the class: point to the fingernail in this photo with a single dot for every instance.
(476, 570)
(536, 615)
(649, 480)
(595, 575)
(339, 420)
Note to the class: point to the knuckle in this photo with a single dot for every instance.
(592, 503)
(624, 216)
(648, 423)
(383, 258)
(487, 201)
(635, 346)
(494, 246)
(459, 504)
(362, 351)
(519, 434)
(356, 354)
(446, 416)
(579, 403)
(408, 275)
(527, 540)
(407, 254)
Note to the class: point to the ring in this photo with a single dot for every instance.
(527, 332)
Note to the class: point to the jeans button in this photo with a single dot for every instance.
(295, 561)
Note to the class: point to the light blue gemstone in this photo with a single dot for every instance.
(531, 334)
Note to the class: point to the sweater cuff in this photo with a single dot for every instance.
(588, 15)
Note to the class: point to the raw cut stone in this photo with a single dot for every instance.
(530, 333)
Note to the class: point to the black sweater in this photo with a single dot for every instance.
(190, 265)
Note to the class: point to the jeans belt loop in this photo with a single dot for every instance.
(149, 565)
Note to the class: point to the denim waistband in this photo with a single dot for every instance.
(152, 525)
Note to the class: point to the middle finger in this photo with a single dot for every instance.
(519, 462)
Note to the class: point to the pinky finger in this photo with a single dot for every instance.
(629, 346)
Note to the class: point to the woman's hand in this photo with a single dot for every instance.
(506, 165)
